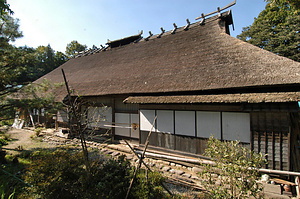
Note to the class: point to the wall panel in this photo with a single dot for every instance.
(165, 121)
(146, 119)
(236, 126)
(208, 123)
(123, 124)
(185, 123)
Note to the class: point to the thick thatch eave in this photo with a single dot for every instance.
(222, 98)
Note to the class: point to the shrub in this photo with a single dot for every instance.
(3, 142)
(62, 174)
(235, 172)
(38, 131)
(148, 187)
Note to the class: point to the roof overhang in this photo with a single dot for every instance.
(222, 98)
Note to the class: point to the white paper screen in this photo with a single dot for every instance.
(185, 123)
(165, 121)
(122, 124)
(236, 126)
(208, 123)
(146, 119)
(99, 117)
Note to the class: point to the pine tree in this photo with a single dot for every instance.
(276, 29)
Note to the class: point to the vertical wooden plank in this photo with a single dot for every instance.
(289, 149)
(196, 124)
(197, 143)
(259, 132)
(174, 129)
(273, 150)
(280, 143)
(113, 112)
(280, 149)
(221, 123)
(266, 148)
(266, 139)
(251, 131)
(140, 133)
(273, 141)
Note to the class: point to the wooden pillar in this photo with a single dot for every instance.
(280, 143)
(266, 139)
(56, 124)
(113, 111)
(273, 142)
(289, 149)
(251, 132)
(259, 132)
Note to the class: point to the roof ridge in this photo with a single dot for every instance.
(151, 36)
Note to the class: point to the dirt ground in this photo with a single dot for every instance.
(23, 139)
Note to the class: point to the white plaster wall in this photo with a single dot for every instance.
(165, 121)
(208, 123)
(236, 126)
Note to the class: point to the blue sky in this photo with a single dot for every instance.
(92, 22)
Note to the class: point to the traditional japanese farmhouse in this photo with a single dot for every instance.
(199, 81)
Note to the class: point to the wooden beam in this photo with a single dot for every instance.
(218, 10)
(141, 159)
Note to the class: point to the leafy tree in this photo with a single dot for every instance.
(234, 173)
(276, 29)
(74, 47)
(60, 58)
(9, 69)
(4, 7)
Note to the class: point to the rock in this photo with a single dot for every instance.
(103, 150)
(151, 164)
(129, 157)
(172, 171)
(179, 172)
(184, 179)
(187, 175)
(108, 152)
(179, 165)
(115, 154)
(159, 166)
(196, 170)
(214, 175)
(166, 168)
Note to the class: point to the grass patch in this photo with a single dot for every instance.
(11, 175)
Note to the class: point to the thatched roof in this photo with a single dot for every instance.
(222, 98)
(201, 58)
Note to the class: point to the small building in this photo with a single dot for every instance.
(199, 81)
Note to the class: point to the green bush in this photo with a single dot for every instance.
(235, 172)
(38, 131)
(10, 178)
(148, 187)
(62, 174)
(3, 142)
